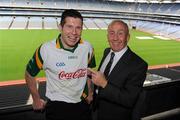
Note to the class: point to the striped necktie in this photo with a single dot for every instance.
(108, 67)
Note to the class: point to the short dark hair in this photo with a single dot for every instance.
(70, 13)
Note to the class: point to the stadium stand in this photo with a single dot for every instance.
(89, 24)
(16, 102)
(19, 23)
(50, 23)
(100, 23)
(157, 14)
(35, 23)
(5, 22)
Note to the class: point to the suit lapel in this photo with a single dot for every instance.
(96, 96)
(106, 52)
(121, 64)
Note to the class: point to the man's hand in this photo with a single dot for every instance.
(98, 78)
(89, 98)
(39, 105)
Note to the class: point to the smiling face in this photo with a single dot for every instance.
(118, 35)
(71, 31)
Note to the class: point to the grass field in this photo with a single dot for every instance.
(18, 46)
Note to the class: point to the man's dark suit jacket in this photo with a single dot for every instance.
(116, 100)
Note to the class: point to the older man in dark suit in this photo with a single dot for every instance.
(120, 78)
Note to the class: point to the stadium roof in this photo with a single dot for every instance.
(149, 1)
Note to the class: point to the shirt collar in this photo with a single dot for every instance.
(121, 52)
(60, 45)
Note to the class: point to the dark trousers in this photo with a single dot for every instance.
(56, 110)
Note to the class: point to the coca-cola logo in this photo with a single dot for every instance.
(72, 75)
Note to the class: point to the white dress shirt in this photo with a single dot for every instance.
(117, 56)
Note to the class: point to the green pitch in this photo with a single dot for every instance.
(18, 46)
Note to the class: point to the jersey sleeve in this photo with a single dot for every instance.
(91, 64)
(85, 92)
(35, 64)
(91, 58)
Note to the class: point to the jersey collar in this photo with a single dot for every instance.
(60, 45)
